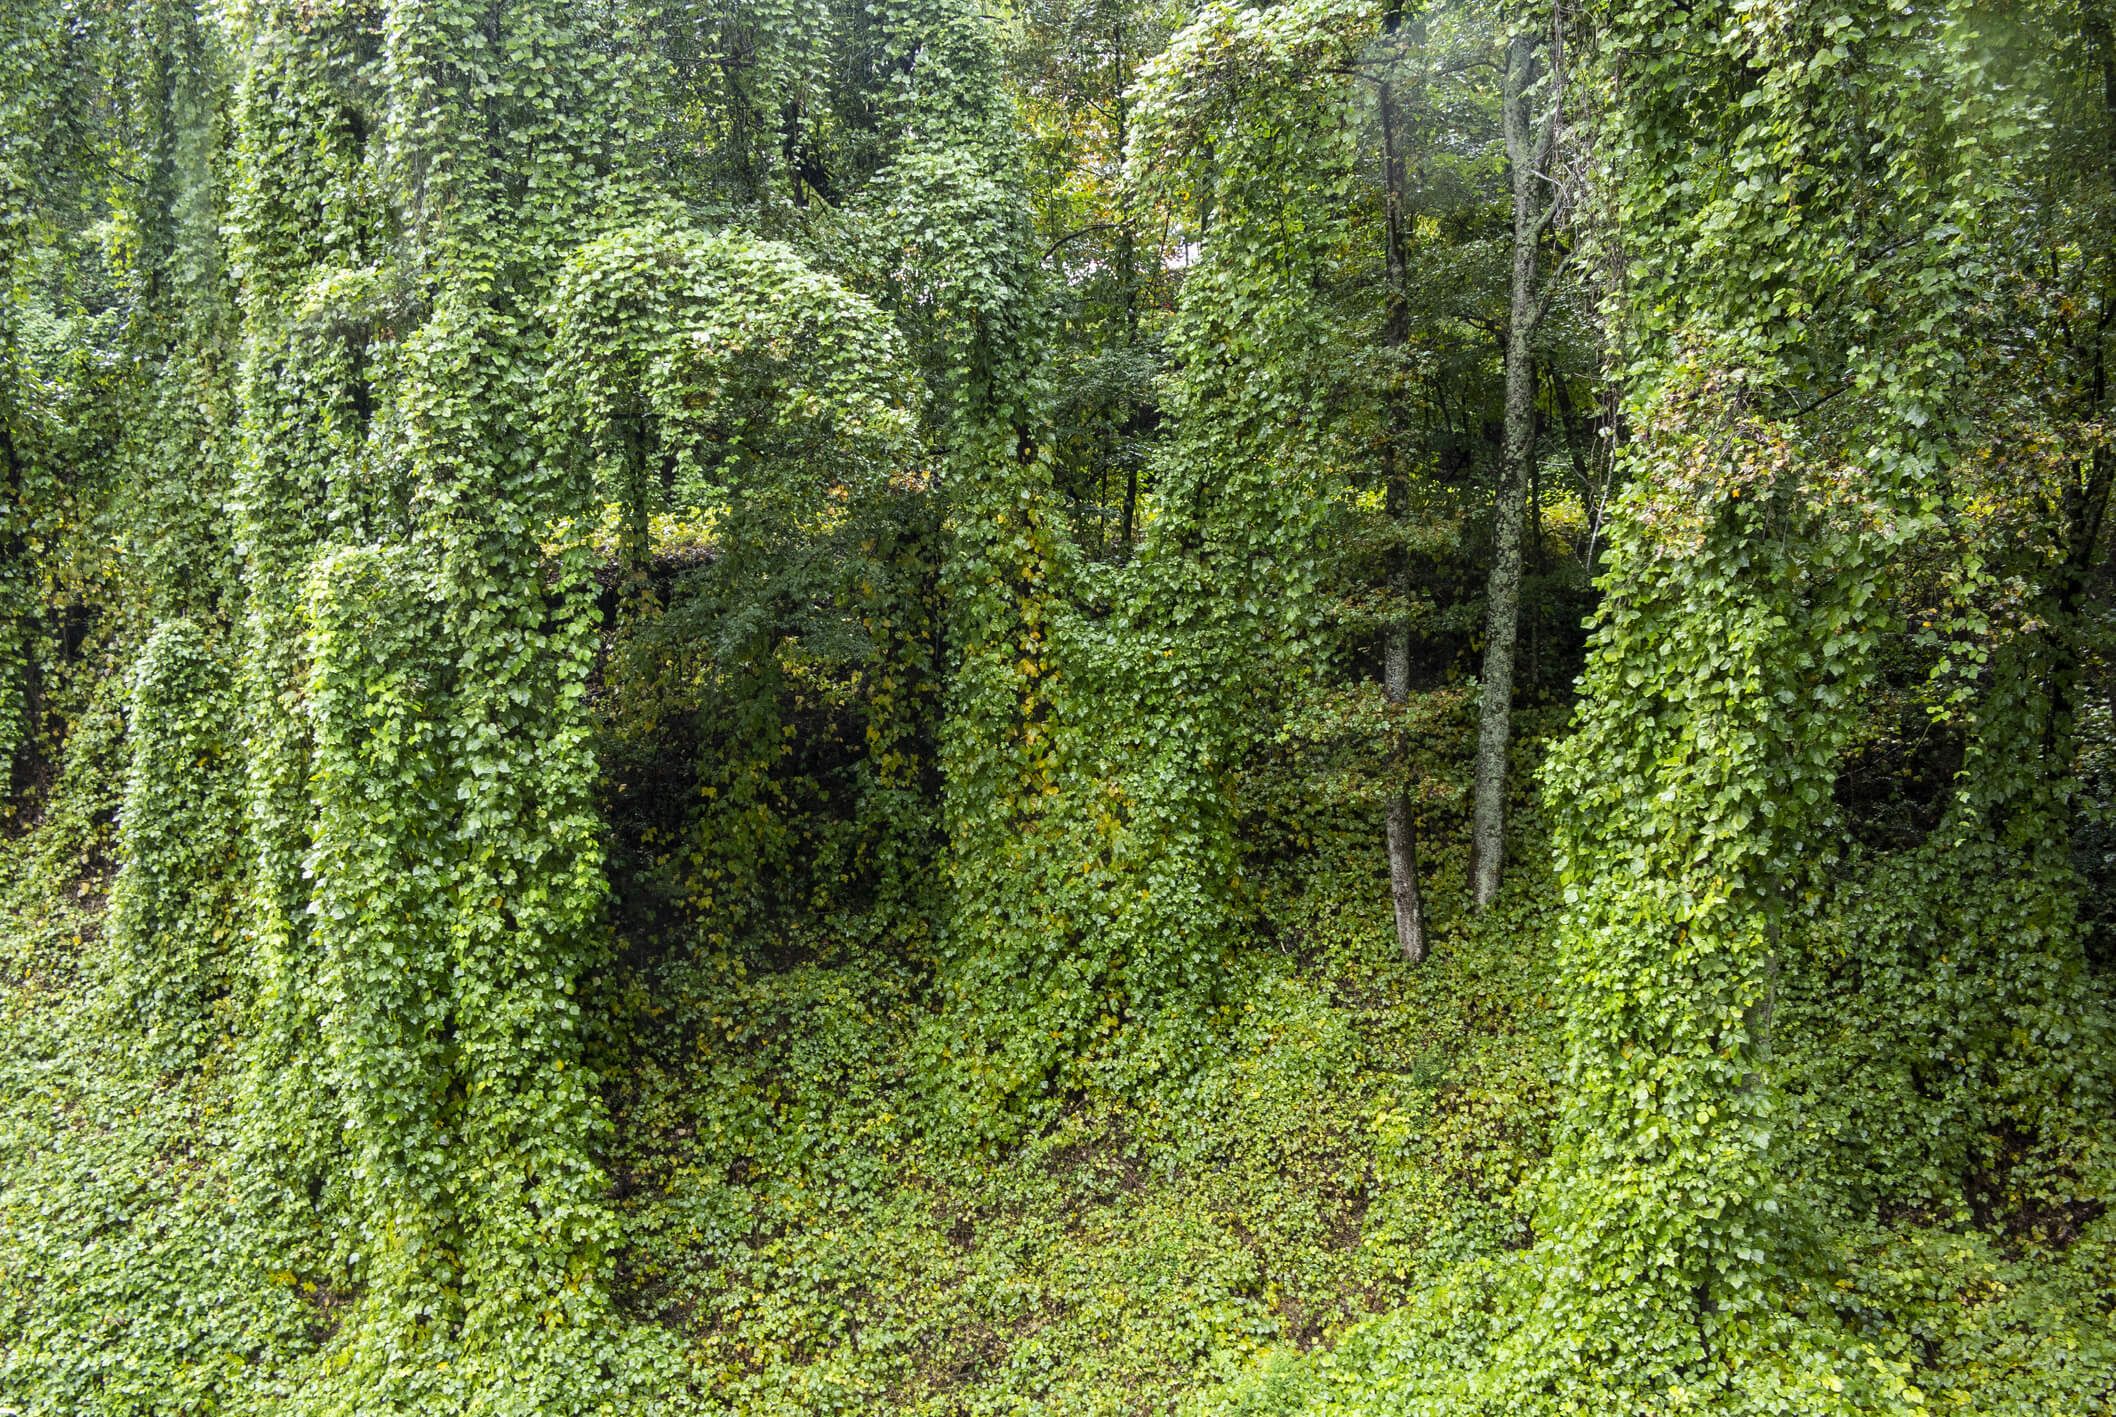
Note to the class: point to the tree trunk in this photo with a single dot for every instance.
(1536, 571)
(1569, 422)
(1128, 291)
(1403, 827)
(1396, 651)
(635, 532)
(1131, 506)
(1527, 148)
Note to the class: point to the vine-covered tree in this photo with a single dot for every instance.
(737, 707)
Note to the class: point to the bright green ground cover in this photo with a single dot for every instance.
(810, 1231)
(804, 1232)
(823, 1250)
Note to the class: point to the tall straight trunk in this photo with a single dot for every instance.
(1396, 649)
(1128, 290)
(635, 533)
(1570, 423)
(1536, 569)
(1527, 149)
(2085, 502)
(18, 709)
(1402, 825)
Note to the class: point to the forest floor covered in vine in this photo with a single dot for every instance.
(824, 1246)
(804, 1231)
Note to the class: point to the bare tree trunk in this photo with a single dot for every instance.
(1403, 879)
(1528, 145)
(1396, 651)
(1128, 287)
(1403, 827)
(1569, 422)
(1536, 569)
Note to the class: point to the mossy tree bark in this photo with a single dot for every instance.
(1529, 142)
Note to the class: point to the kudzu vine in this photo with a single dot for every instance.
(173, 908)
(458, 406)
(1812, 535)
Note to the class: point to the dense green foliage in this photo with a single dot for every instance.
(765, 708)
